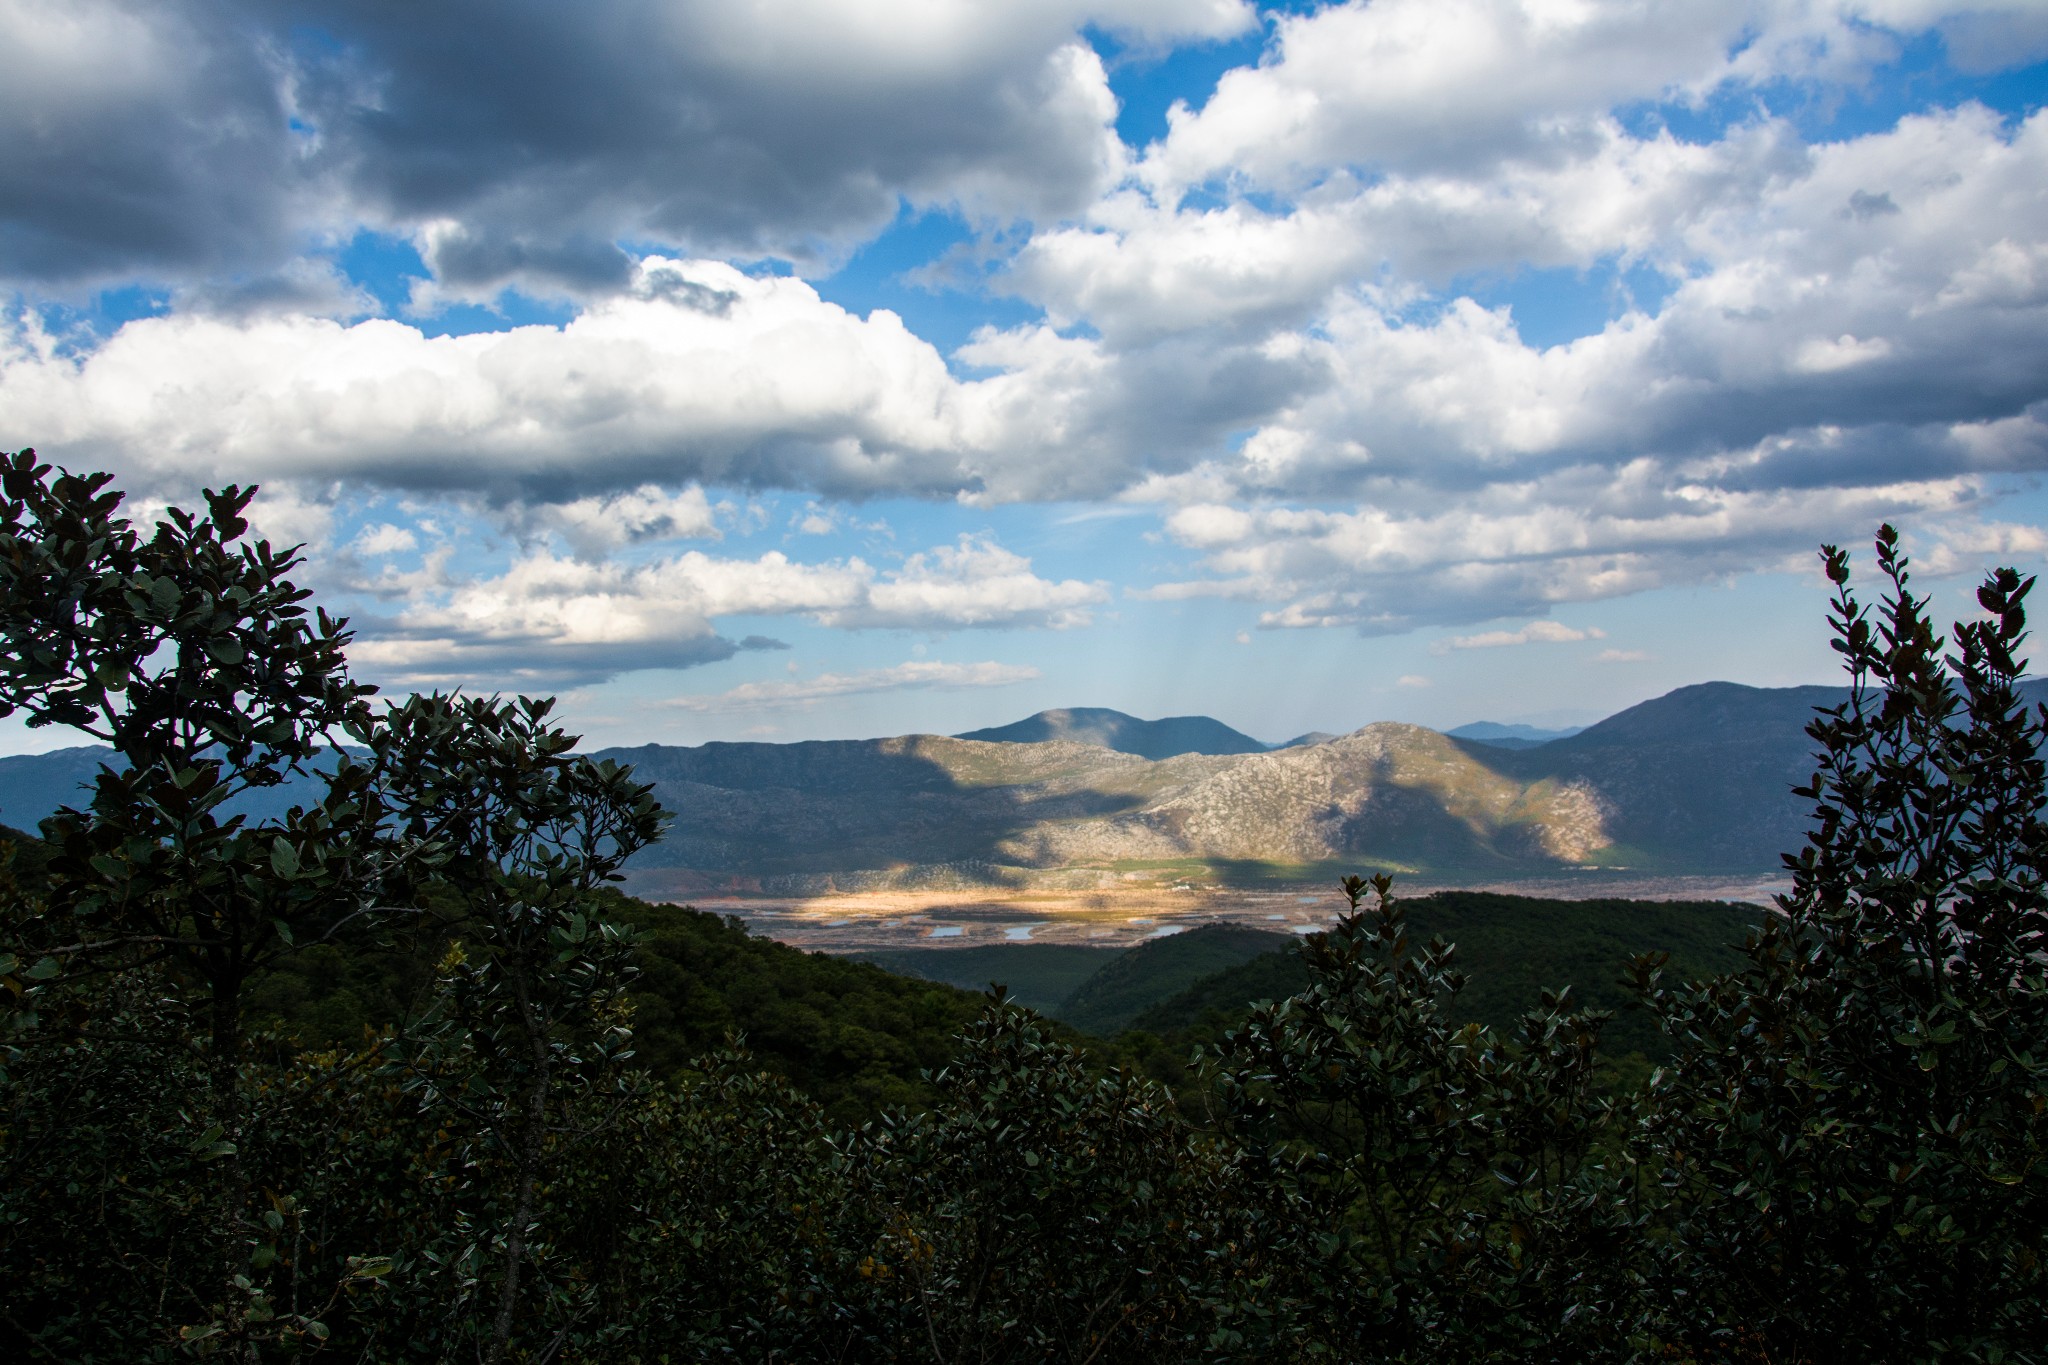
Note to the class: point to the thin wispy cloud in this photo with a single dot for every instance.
(916, 675)
(1536, 632)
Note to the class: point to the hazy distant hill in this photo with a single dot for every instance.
(1509, 736)
(32, 786)
(1700, 777)
(1126, 734)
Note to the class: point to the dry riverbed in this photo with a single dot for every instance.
(1119, 910)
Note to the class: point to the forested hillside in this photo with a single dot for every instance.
(1510, 949)
(1041, 975)
(851, 1036)
(1161, 967)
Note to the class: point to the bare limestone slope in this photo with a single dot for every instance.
(909, 805)
(1385, 789)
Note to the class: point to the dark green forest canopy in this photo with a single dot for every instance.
(1510, 950)
(852, 1036)
(1159, 967)
(30, 859)
(1041, 975)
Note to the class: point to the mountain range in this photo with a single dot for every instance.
(1669, 785)
(1695, 781)
(1176, 735)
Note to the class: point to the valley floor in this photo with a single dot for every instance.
(1125, 908)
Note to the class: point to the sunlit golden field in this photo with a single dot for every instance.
(1117, 909)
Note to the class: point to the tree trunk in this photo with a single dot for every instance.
(531, 1142)
(231, 1169)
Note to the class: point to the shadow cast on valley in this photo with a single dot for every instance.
(834, 806)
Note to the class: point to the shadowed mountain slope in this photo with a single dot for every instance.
(1700, 777)
(1166, 738)
(861, 805)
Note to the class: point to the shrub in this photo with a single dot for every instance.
(1854, 1133)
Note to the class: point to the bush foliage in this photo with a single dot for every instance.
(371, 1078)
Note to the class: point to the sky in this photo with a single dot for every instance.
(801, 369)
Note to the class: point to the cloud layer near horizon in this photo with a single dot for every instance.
(1271, 326)
(552, 622)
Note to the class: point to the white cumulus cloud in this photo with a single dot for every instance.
(384, 539)
(560, 620)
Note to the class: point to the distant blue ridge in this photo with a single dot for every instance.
(1510, 736)
(1153, 739)
(34, 786)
